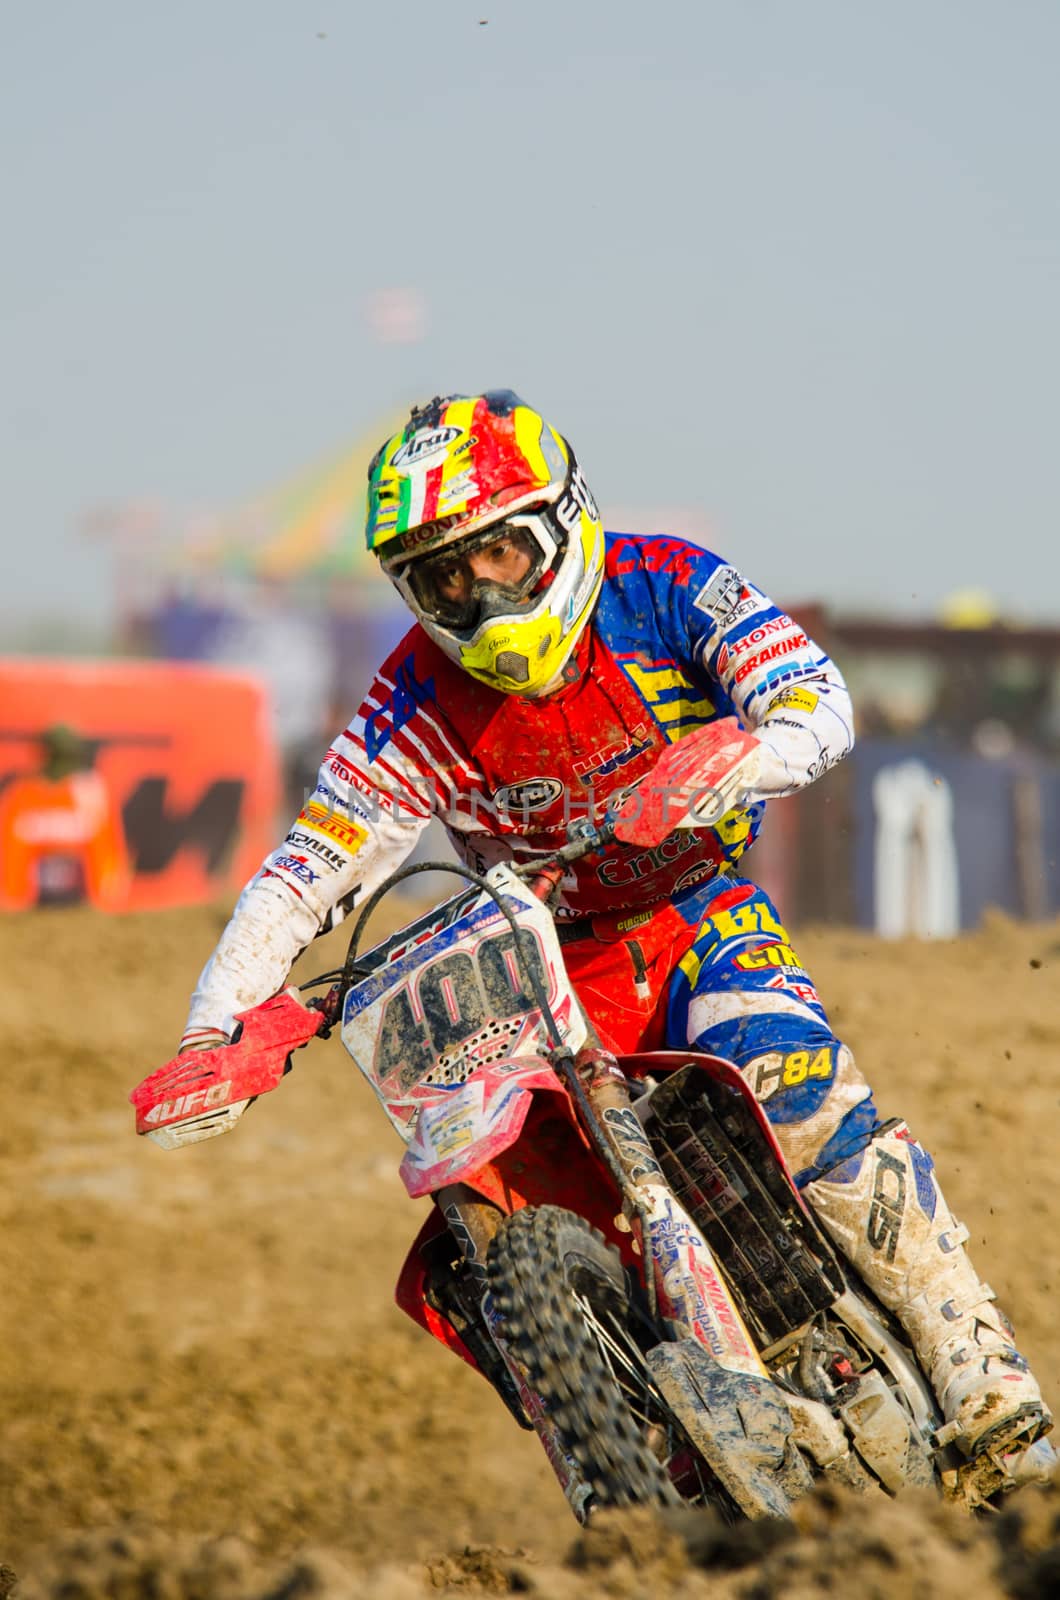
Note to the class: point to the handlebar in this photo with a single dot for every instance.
(669, 797)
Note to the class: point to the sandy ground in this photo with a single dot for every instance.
(206, 1390)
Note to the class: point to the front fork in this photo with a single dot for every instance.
(684, 1285)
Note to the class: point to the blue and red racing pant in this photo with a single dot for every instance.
(716, 969)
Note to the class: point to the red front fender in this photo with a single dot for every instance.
(552, 1163)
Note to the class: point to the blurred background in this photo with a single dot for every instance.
(785, 275)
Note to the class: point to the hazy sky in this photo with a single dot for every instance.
(792, 263)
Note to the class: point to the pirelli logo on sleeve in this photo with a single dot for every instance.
(343, 830)
(794, 700)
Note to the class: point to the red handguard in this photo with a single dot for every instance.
(200, 1081)
(696, 763)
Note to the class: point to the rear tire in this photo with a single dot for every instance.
(540, 1260)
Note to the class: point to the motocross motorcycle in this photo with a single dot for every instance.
(616, 1244)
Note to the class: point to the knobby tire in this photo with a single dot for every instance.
(539, 1260)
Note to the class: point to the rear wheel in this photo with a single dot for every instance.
(562, 1294)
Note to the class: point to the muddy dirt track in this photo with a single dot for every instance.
(206, 1391)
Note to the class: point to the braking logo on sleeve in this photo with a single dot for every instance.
(784, 646)
(772, 632)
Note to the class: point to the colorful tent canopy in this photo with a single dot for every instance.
(310, 527)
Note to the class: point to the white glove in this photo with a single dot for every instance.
(202, 1039)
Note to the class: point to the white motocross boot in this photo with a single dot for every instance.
(893, 1224)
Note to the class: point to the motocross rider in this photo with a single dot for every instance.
(549, 664)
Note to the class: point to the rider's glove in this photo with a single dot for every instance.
(204, 1123)
(203, 1039)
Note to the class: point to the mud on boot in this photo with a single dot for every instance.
(886, 1212)
(989, 1396)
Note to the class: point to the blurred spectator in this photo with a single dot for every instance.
(187, 623)
(289, 651)
(365, 622)
(61, 838)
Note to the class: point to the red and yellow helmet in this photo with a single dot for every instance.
(463, 470)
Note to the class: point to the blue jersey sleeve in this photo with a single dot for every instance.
(724, 627)
(748, 655)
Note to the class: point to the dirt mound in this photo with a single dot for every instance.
(199, 1352)
(911, 1546)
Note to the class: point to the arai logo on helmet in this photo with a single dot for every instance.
(428, 442)
(532, 795)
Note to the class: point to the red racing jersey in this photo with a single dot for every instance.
(678, 637)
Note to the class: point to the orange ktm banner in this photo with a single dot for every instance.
(131, 785)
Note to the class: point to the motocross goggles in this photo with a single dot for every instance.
(447, 591)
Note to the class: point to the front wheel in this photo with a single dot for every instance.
(561, 1292)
